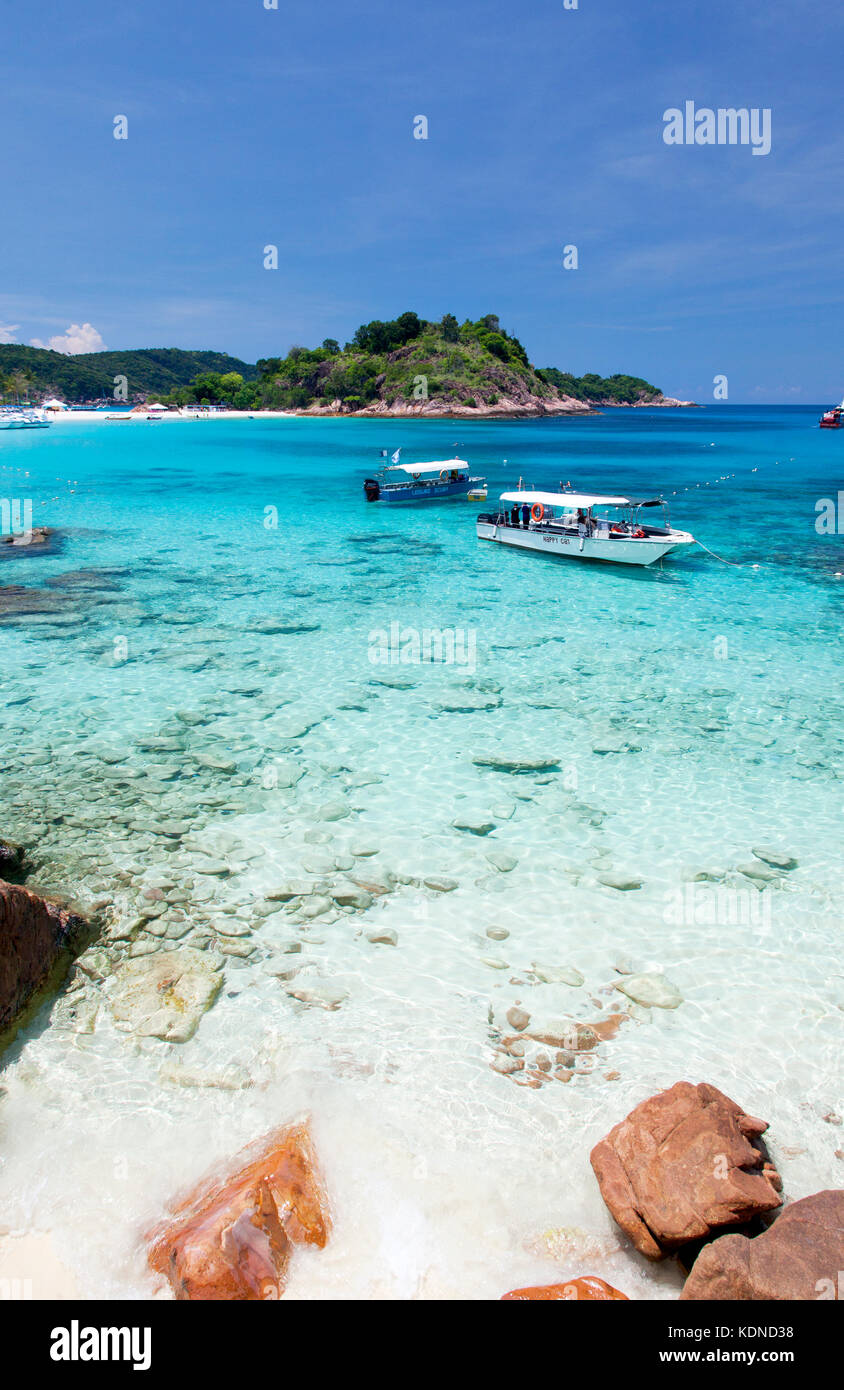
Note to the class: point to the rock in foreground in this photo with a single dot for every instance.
(796, 1259)
(588, 1289)
(36, 938)
(683, 1166)
(232, 1238)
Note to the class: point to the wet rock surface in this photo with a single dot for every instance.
(797, 1258)
(683, 1166)
(37, 938)
(588, 1288)
(233, 1237)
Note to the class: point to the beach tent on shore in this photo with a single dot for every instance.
(53, 404)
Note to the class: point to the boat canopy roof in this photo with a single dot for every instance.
(580, 500)
(415, 468)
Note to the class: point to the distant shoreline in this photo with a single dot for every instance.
(480, 413)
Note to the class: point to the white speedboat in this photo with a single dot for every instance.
(572, 525)
(19, 417)
(421, 482)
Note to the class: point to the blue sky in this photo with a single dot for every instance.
(294, 127)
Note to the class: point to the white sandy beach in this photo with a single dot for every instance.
(89, 417)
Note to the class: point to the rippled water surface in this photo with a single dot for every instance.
(196, 713)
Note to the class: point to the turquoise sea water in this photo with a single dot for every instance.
(686, 715)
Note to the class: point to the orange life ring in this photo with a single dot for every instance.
(443, 474)
(537, 511)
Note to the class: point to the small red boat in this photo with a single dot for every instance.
(831, 419)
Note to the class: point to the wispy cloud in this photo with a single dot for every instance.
(8, 332)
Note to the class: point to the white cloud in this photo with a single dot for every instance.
(78, 338)
(8, 331)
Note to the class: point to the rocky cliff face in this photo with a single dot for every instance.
(517, 404)
(37, 938)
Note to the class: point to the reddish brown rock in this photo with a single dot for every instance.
(798, 1258)
(13, 862)
(232, 1237)
(36, 938)
(608, 1027)
(589, 1288)
(682, 1166)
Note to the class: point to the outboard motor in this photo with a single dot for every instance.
(372, 488)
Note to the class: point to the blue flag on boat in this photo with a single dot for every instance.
(396, 456)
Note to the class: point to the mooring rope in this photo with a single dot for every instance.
(735, 563)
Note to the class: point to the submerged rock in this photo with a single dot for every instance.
(16, 602)
(610, 744)
(776, 858)
(501, 860)
(166, 995)
(796, 1259)
(504, 1063)
(565, 1033)
(232, 1238)
(286, 626)
(348, 894)
(439, 884)
(295, 888)
(683, 1166)
(230, 1078)
(215, 868)
(387, 936)
(474, 824)
(651, 991)
(500, 763)
(323, 996)
(215, 763)
(558, 975)
(623, 883)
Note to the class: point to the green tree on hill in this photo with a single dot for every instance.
(20, 383)
(377, 337)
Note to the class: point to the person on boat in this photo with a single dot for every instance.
(514, 514)
(525, 515)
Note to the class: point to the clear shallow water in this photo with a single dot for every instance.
(718, 686)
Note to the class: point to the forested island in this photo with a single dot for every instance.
(405, 366)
